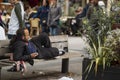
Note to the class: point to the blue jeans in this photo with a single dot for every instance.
(53, 31)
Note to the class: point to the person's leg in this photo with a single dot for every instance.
(43, 28)
(47, 30)
(18, 66)
(51, 31)
(42, 40)
(55, 31)
(45, 40)
(74, 29)
(15, 67)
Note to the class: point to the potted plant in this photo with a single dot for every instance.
(105, 61)
(102, 61)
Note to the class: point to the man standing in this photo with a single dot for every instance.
(17, 18)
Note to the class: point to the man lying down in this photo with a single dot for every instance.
(25, 49)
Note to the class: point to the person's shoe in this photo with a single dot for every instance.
(12, 69)
(21, 67)
(61, 52)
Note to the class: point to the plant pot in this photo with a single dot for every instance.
(115, 26)
(110, 73)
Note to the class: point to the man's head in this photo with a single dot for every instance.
(53, 2)
(44, 3)
(26, 35)
(23, 34)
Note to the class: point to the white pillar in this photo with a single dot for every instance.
(109, 2)
(67, 7)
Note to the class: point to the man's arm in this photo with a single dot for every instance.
(19, 15)
(37, 15)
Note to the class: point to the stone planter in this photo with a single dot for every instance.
(110, 73)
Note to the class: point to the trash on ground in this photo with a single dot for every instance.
(65, 78)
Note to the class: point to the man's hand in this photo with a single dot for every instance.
(33, 55)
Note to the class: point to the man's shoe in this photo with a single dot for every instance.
(61, 52)
(12, 69)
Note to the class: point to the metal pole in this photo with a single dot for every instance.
(65, 65)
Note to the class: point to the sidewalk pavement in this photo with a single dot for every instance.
(77, 44)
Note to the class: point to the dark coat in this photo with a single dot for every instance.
(42, 13)
(20, 52)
